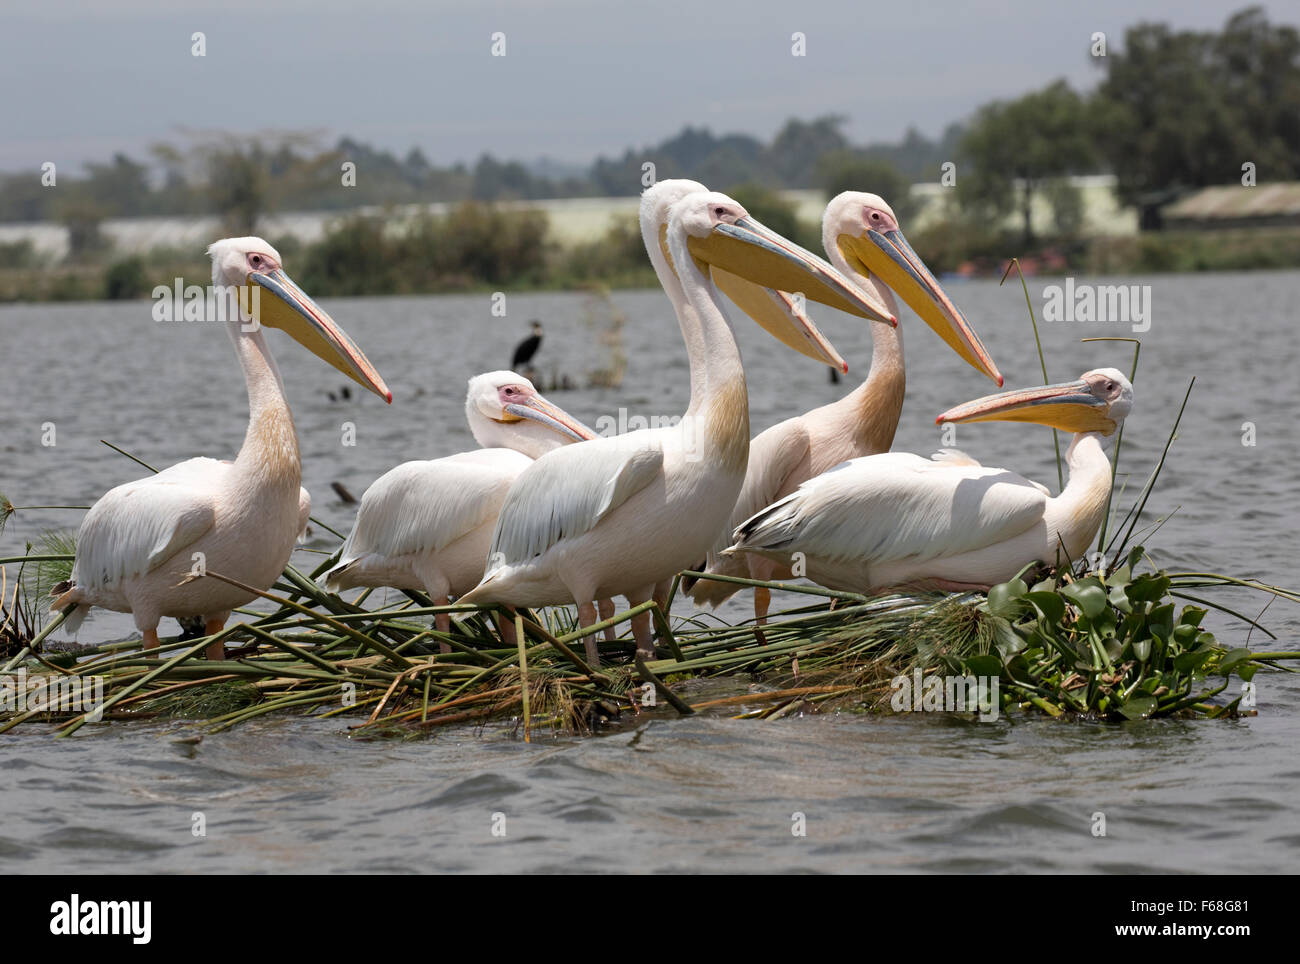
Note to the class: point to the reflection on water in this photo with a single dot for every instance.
(879, 793)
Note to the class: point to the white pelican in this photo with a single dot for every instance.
(428, 524)
(901, 521)
(140, 542)
(620, 515)
(861, 235)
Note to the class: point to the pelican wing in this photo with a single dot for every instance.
(568, 491)
(423, 506)
(896, 506)
(136, 527)
(958, 457)
(773, 455)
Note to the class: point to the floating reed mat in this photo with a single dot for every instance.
(1066, 643)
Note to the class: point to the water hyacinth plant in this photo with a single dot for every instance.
(1110, 646)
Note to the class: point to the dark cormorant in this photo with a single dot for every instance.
(526, 349)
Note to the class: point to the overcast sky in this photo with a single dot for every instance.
(81, 79)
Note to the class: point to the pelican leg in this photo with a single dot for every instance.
(641, 624)
(442, 622)
(660, 596)
(606, 607)
(150, 638)
(762, 602)
(587, 617)
(645, 644)
(506, 627)
(211, 627)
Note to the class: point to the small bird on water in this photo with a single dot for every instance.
(526, 349)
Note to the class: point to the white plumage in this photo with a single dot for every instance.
(859, 232)
(146, 547)
(427, 525)
(622, 515)
(899, 520)
(568, 496)
(134, 528)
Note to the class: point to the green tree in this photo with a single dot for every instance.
(799, 145)
(237, 188)
(1012, 147)
(120, 187)
(1184, 109)
(1067, 206)
(82, 218)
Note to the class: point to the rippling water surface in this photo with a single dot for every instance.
(708, 793)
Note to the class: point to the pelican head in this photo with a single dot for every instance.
(717, 234)
(865, 230)
(1097, 402)
(280, 303)
(655, 204)
(505, 410)
(779, 313)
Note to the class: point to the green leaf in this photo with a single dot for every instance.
(1004, 598)
(1148, 587)
(1138, 708)
(1119, 599)
(1005, 638)
(1088, 594)
(1160, 621)
(984, 665)
(1113, 648)
(1191, 662)
(1103, 624)
(1231, 659)
(1185, 636)
(1049, 604)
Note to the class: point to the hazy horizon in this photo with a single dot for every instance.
(579, 78)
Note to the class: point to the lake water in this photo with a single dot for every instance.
(907, 793)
